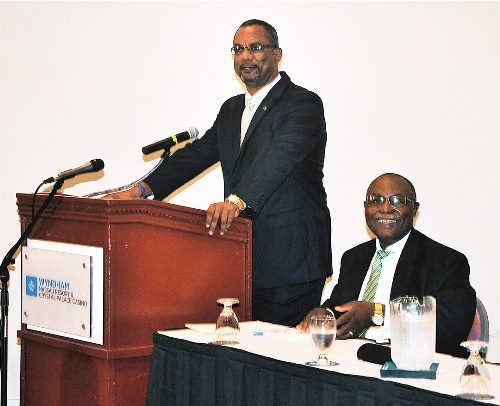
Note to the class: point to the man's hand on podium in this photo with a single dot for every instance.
(226, 211)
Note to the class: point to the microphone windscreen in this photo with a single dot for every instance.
(193, 132)
(375, 353)
(97, 164)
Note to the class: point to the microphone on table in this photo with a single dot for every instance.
(375, 353)
(167, 143)
(94, 165)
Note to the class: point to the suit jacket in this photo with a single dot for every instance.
(425, 267)
(278, 172)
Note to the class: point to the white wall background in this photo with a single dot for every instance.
(408, 87)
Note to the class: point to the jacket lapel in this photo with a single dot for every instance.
(259, 114)
(236, 128)
(361, 267)
(274, 94)
(408, 280)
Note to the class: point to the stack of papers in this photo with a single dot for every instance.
(246, 327)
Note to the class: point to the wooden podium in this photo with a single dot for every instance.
(161, 270)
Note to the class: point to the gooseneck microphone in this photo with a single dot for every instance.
(94, 165)
(167, 143)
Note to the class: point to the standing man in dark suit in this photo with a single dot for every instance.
(412, 264)
(270, 142)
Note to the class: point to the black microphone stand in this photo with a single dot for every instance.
(4, 295)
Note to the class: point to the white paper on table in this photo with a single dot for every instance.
(246, 327)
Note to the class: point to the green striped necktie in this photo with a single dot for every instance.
(371, 286)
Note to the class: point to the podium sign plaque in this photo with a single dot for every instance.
(62, 289)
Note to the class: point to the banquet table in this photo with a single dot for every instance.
(268, 368)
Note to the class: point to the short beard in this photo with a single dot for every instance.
(254, 81)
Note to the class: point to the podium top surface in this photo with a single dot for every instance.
(119, 211)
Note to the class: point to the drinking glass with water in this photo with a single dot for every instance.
(323, 330)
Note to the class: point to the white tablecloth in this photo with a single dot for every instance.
(287, 344)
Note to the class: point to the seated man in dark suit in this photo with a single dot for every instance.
(410, 264)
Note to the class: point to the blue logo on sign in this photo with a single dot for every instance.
(31, 286)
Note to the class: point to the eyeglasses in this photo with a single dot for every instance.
(394, 201)
(238, 49)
